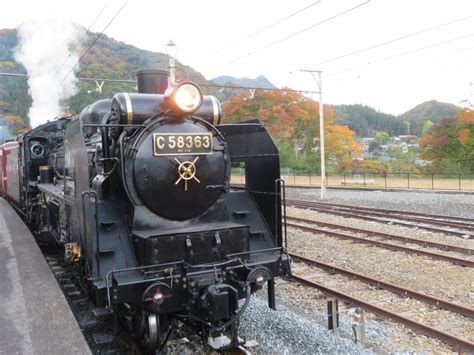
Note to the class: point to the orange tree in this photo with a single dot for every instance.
(293, 121)
(17, 124)
(450, 145)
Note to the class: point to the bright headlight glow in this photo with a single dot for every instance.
(188, 97)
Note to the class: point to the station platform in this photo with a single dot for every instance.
(35, 317)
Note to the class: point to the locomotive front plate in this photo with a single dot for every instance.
(182, 144)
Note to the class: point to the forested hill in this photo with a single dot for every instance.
(108, 58)
(365, 120)
(432, 110)
(112, 59)
(260, 81)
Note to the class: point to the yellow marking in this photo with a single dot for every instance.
(181, 144)
(215, 108)
(160, 144)
(128, 105)
(187, 171)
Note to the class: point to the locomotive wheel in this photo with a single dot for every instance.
(138, 323)
(151, 336)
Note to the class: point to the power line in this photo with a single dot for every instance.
(128, 81)
(269, 26)
(299, 32)
(404, 53)
(391, 41)
(83, 36)
(256, 88)
(95, 40)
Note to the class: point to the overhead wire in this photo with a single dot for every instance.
(83, 36)
(298, 32)
(269, 26)
(392, 41)
(404, 53)
(95, 40)
(134, 82)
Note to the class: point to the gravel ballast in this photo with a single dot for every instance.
(301, 328)
(449, 204)
(285, 332)
(276, 332)
(434, 277)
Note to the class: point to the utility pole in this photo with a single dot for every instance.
(171, 50)
(317, 76)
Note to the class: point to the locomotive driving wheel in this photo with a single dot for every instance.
(149, 330)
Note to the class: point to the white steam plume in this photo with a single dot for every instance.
(43, 50)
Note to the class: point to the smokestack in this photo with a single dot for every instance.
(153, 81)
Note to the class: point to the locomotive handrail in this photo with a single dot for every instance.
(112, 125)
(177, 263)
(89, 193)
(239, 124)
(282, 191)
(256, 251)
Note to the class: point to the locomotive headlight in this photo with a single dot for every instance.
(158, 298)
(156, 294)
(188, 97)
(258, 276)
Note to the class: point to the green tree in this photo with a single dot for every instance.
(426, 127)
(372, 166)
(382, 138)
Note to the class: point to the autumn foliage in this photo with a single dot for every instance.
(450, 145)
(293, 120)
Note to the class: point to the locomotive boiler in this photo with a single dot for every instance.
(138, 191)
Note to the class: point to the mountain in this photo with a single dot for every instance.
(14, 97)
(260, 81)
(365, 120)
(430, 110)
(113, 59)
(108, 58)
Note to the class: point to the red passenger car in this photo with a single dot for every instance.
(5, 168)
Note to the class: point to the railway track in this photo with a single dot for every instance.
(439, 256)
(95, 327)
(432, 300)
(458, 343)
(388, 236)
(455, 221)
(458, 226)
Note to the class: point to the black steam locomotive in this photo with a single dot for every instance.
(137, 190)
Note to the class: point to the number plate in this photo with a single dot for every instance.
(182, 144)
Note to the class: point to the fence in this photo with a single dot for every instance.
(378, 181)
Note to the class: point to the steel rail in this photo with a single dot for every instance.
(422, 242)
(391, 214)
(457, 261)
(408, 216)
(458, 343)
(400, 212)
(434, 301)
(404, 224)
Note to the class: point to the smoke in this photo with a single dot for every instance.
(44, 51)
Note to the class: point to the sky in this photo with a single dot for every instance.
(408, 51)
